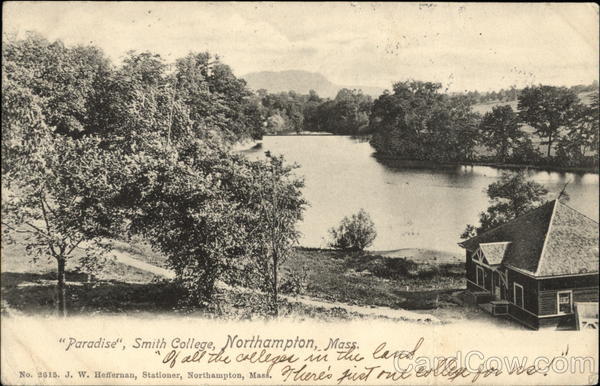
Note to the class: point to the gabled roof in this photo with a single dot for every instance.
(494, 252)
(551, 240)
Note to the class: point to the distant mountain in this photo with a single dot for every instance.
(301, 82)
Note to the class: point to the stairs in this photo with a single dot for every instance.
(495, 307)
(475, 298)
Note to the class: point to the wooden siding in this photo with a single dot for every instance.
(569, 282)
(584, 287)
(547, 299)
(470, 267)
(530, 290)
(523, 317)
(558, 322)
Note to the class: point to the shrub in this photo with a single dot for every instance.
(295, 282)
(354, 233)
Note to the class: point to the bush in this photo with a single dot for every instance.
(295, 282)
(354, 233)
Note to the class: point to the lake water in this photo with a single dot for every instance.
(413, 206)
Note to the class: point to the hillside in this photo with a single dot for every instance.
(301, 82)
(483, 108)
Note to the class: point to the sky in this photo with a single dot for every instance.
(463, 46)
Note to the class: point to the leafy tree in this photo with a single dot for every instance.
(399, 120)
(419, 122)
(289, 107)
(24, 130)
(547, 109)
(510, 197)
(500, 131)
(524, 152)
(214, 214)
(62, 201)
(354, 233)
(276, 207)
(582, 134)
(62, 78)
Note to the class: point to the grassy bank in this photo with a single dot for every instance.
(366, 279)
(350, 278)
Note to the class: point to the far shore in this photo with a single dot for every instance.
(426, 163)
(498, 165)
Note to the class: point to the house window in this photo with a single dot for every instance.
(565, 302)
(480, 276)
(518, 294)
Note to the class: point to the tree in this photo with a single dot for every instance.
(510, 197)
(500, 131)
(62, 201)
(354, 233)
(547, 109)
(215, 215)
(582, 134)
(399, 120)
(64, 79)
(276, 207)
(89, 148)
(419, 122)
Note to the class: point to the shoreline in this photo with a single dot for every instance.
(497, 165)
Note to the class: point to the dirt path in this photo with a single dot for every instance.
(398, 314)
(125, 258)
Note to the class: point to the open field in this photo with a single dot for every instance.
(338, 286)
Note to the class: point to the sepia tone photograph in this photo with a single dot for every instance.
(421, 166)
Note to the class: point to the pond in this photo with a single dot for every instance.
(413, 205)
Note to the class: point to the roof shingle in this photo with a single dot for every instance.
(551, 240)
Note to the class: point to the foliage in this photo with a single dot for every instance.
(295, 282)
(416, 121)
(89, 147)
(354, 233)
(284, 111)
(275, 207)
(63, 79)
(347, 114)
(582, 135)
(500, 131)
(60, 201)
(547, 109)
(215, 215)
(509, 197)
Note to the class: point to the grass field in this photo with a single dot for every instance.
(349, 278)
(365, 279)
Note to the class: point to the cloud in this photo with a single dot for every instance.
(480, 45)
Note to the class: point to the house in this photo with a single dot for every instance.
(535, 267)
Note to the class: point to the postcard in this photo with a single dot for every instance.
(319, 193)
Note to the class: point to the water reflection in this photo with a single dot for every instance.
(413, 204)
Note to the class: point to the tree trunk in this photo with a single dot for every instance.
(62, 305)
(549, 144)
(274, 300)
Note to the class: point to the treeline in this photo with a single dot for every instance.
(417, 121)
(92, 150)
(346, 114)
(512, 93)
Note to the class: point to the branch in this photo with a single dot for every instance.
(37, 229)
(74, 246)
(15, 229)
(44, 213)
